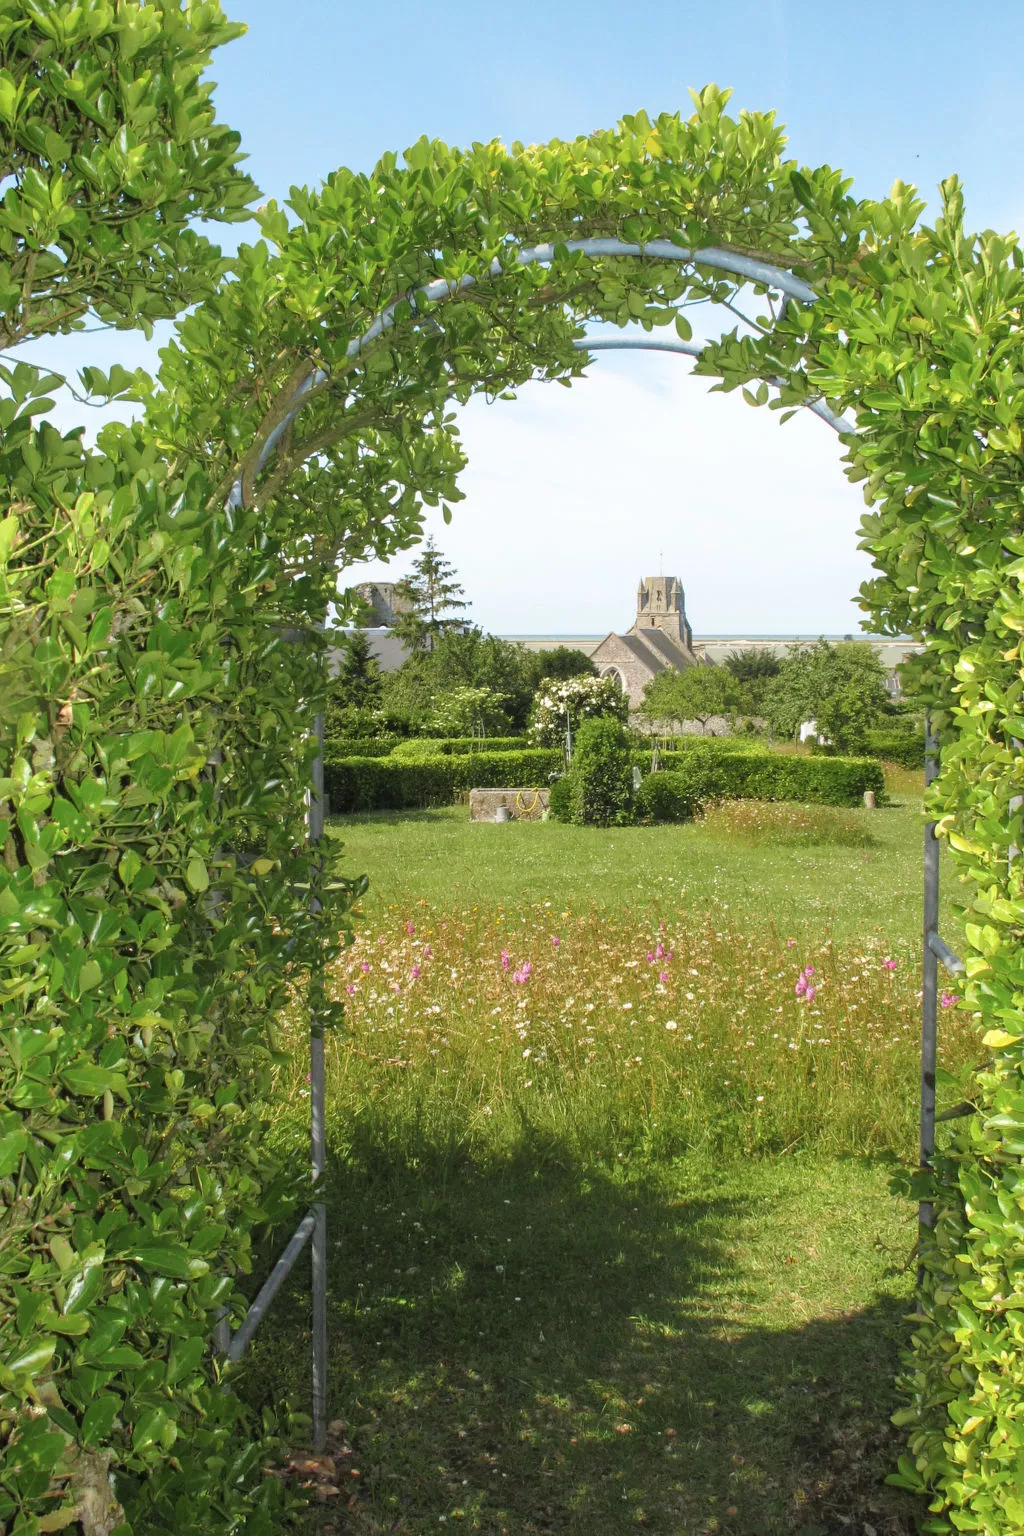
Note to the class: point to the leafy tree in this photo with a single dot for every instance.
(845, 718)
(811, 676)
(753, 669)
(562, 661)
(697, 693)
(430, 593)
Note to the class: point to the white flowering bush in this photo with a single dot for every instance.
(463, 711)
(571, 701)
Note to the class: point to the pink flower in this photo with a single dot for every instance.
(309, 1077)
(428, 953)
(663, 975)
(527, 968)
(888, 965)
(364, 966)
(350, 990)
(670, 955)
(414, 973)
(661, 927)
(948, 999)
(397, 987)
(650, 957)
(555, 941)
(410, 929)
(809, 994)
(801, 986)
(660, 951)
(790, 943)
(505, 961)
(808, 971)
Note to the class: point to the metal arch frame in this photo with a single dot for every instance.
(692, 349)
(731, 262)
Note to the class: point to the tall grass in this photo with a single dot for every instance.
(617, 1038)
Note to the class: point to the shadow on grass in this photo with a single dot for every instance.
(535, 1346)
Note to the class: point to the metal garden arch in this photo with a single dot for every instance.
(314, 1223)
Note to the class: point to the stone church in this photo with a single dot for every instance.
(660, 637)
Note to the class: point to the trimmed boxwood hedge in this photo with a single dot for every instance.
(673, 794)
(359, 746)
(419, 747)
(898, 747)
(390, 784)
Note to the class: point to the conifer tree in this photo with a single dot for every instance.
(429, 595)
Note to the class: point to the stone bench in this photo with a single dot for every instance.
(521, 804)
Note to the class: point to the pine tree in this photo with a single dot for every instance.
(357, 680)
(430, 593)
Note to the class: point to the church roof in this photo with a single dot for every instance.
(669, 653)
(640, 651)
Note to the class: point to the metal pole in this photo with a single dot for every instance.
(929, 985)
(237, 1345)
(317, 1093)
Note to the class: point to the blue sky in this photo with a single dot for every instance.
(571, 495)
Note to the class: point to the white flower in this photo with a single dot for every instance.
(671, 1024)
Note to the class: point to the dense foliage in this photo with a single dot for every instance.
(464, 661)
(155, 718)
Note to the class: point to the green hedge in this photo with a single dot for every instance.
(666, 797)
(359, 746)
(898, 747)
(418, 747)
(760, 776)
(389, 784)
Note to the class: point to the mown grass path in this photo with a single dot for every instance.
(575, 1286)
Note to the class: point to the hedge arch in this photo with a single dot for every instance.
(302, 419)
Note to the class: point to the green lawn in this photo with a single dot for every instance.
(608, 1250)
(438, 857)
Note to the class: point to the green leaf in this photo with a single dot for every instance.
(29, 1362)
(196, 874)
(98, 1420)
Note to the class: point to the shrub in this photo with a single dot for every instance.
(394, 784)
(666, 797)
(601, 776)
(559, 801)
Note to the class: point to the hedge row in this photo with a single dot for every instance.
(419, 747)
(672, 794)
(389, 784)
(359, 746)
(898, 747)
